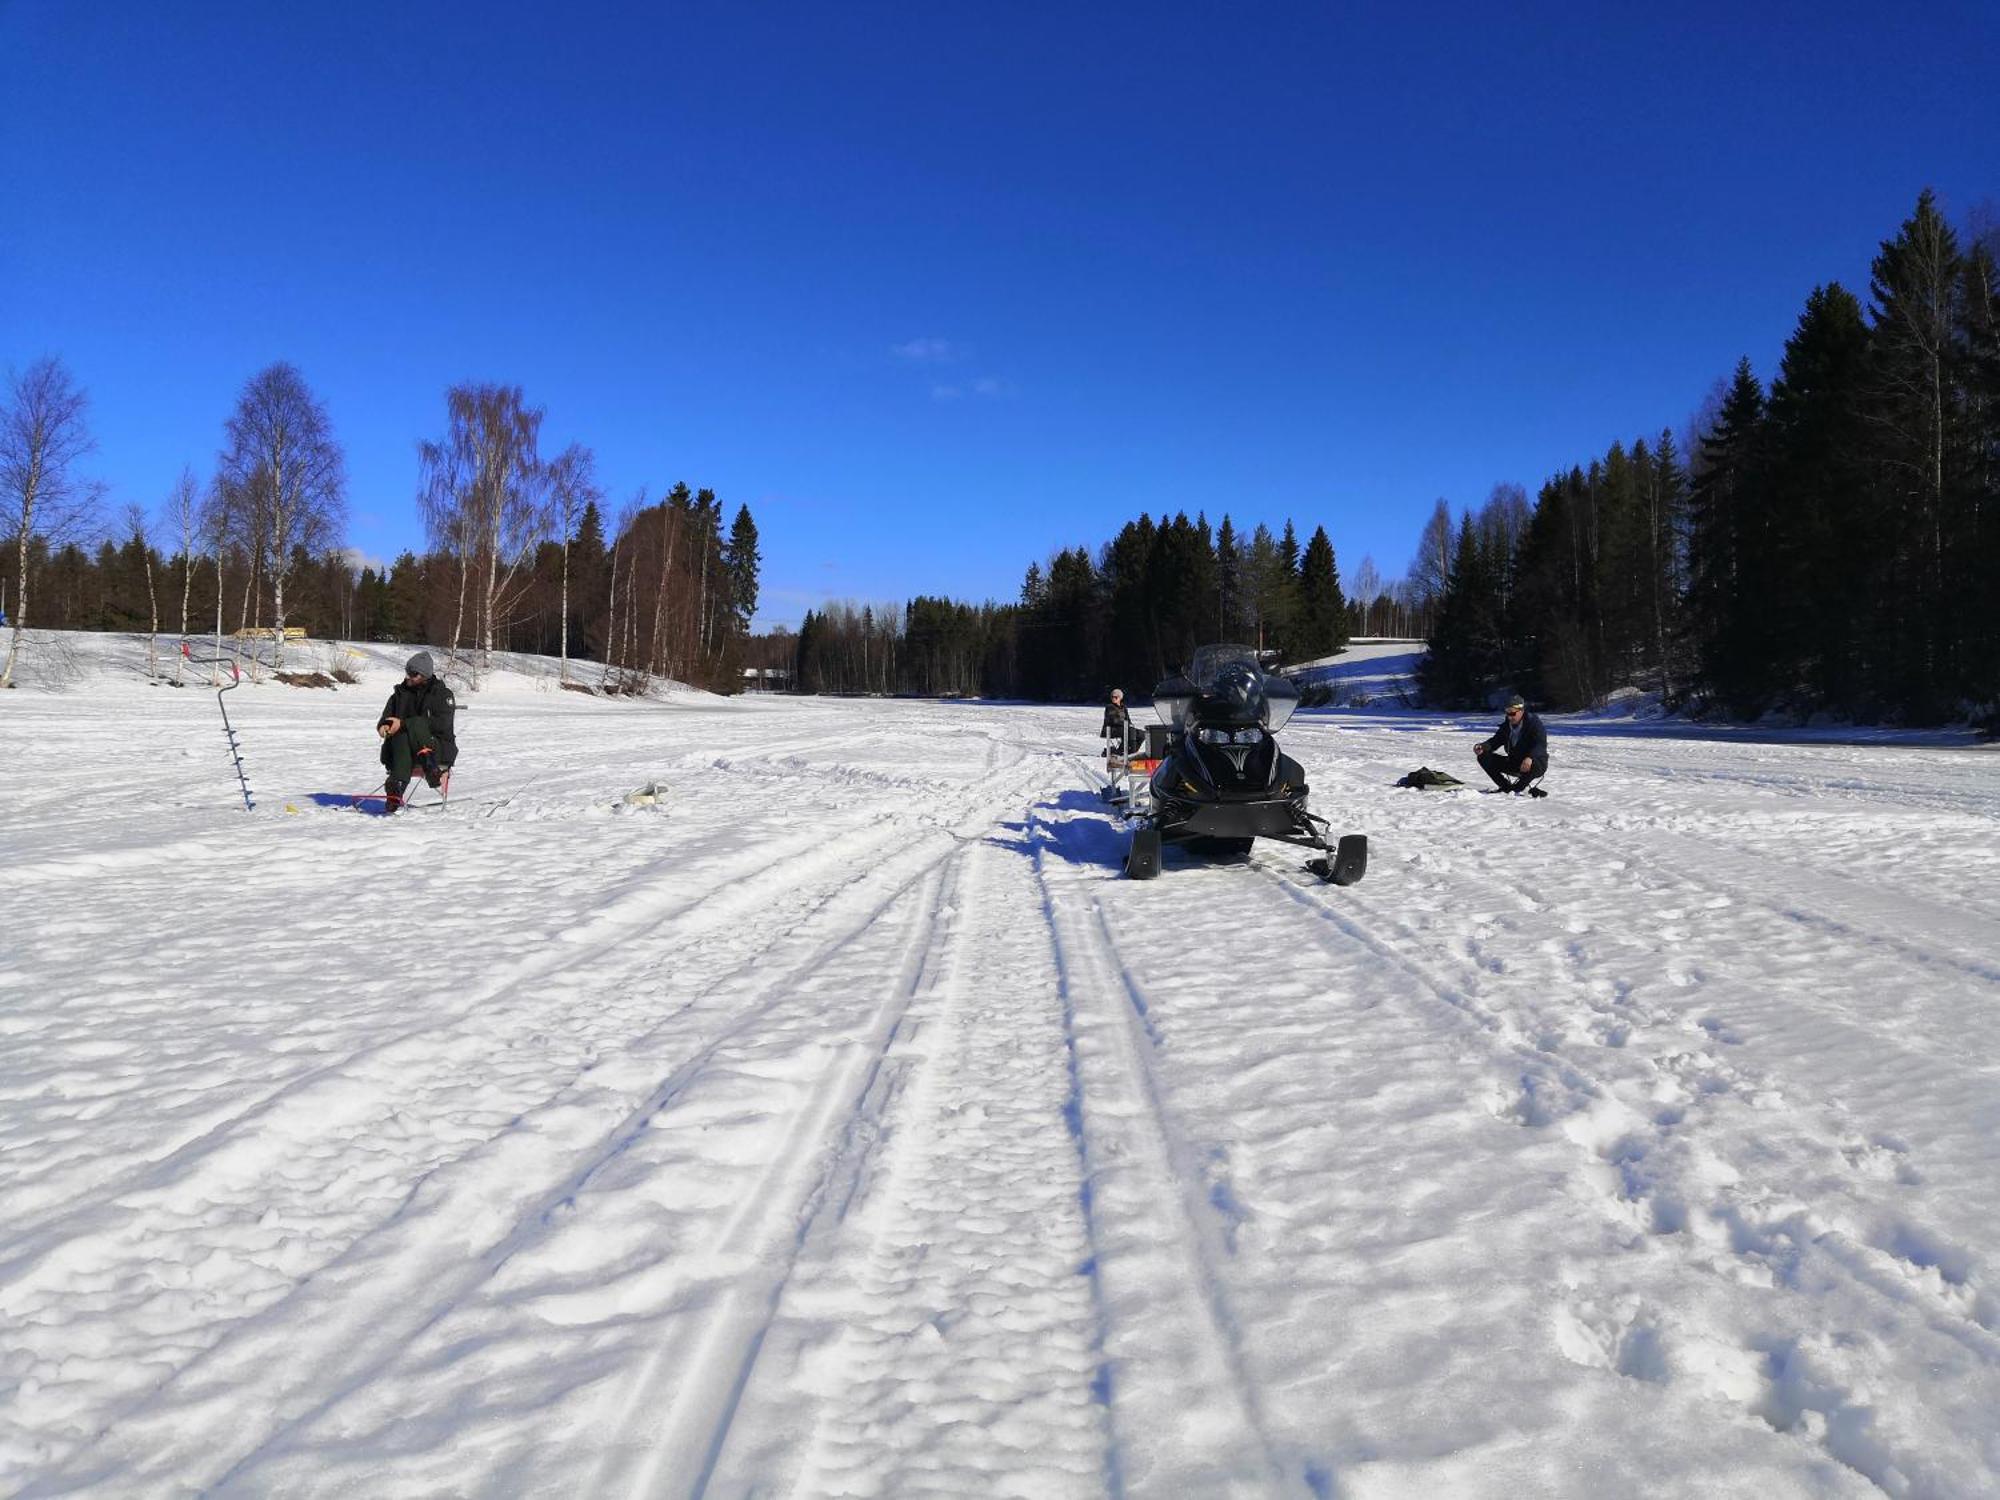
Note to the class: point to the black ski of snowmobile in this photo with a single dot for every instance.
(1224, 783)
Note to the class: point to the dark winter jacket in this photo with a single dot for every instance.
(1118, 726)
(1531, 740)
(430, 699)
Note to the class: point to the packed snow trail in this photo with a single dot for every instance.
(848, 1125)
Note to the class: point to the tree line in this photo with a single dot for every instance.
(1128, 616)
(518, 555)
(1828, 543)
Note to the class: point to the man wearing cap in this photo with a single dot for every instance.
(416, 729)
(1519, 749)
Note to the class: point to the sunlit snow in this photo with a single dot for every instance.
(844, 1123)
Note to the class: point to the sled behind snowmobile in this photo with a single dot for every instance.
(1224, 783)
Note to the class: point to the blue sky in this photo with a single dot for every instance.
(937, 290)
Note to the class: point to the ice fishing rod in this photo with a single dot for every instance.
(228, 729)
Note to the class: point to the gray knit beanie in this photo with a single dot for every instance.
(421, 662)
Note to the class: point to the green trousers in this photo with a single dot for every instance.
(399, 751)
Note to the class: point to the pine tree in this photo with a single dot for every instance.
(1322, 609)
(590, 611)
(1914, 415)
(1128, 648)
(1727, 514)
(1817, 593)
(1665, 581)
(1034, 589)
(1978, 325)
(1228, 584)
(1547, 626)
(740, 562)
(1461, 666)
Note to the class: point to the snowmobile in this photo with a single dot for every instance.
(1224, 783)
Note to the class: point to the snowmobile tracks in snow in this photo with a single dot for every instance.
(941, 1277)
(1185, 1412)
(664, 1432)
(349, 1323)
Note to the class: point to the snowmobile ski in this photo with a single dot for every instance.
(1349, 862)
(1143, 861)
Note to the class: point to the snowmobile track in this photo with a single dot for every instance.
(421, 1289)
(697, 1395)
(1169, 1337)
(622, 928)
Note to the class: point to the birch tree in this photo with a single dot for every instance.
(183, 516)
(42, 435)
(485, 488)
(572, 484)
(135, 525)
(281, 453)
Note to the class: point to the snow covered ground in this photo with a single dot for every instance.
(845, 1124)
(1372, 670)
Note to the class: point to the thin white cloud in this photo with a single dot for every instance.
(945, 393)
(992, 386)
(926, 351)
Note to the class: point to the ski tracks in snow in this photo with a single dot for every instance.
(361, 1299)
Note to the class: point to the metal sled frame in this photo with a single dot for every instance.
(1129, 786)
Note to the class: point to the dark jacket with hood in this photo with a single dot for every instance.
(432, 700)
(1531, 739)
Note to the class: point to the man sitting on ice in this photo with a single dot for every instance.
(416, 729)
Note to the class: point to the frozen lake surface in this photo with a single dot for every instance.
(846, 1124)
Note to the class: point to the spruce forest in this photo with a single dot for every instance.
(1826, 543)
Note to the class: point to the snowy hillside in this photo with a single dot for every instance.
(845, 1124)
(1377, 672)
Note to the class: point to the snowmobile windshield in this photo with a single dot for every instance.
(1171, 699)
(1232, 688)
(1210, 662)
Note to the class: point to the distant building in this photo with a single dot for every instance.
(767, 679)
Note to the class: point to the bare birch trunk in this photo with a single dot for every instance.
(152, 640)
(20, 613)
(215, 672)
(458, 623)
(187, 595)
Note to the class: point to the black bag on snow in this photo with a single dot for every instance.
(1425, 778)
